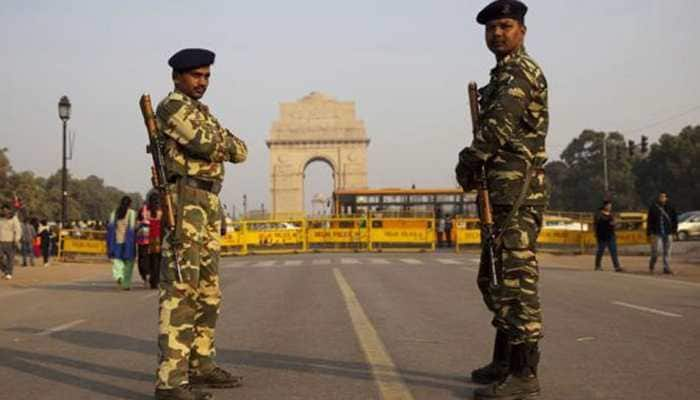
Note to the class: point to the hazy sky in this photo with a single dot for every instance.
(611, 65)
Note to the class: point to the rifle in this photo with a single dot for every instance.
(158, 176)
(482, 191)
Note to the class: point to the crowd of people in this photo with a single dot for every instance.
(33, 238)
(135, 237)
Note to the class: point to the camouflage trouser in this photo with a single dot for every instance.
(189, 309)
(515, 303)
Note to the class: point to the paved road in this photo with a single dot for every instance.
(357, 326)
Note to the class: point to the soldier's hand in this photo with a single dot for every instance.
(466, 177)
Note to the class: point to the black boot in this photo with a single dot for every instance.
(215, 378)
(498, 368)
(521, 383)
(183, 392)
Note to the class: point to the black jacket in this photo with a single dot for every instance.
(604, 226)
(655, 217)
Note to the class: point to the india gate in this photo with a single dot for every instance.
(315, 128)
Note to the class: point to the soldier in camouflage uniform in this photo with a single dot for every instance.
(510, 144)
(195, 149)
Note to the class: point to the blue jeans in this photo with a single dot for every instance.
(664, 241)
(611, 245)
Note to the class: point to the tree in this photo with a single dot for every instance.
(578, 180)
(673, 165)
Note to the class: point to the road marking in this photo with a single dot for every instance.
(347, 261)
(60, 328)
(321, 261)
(657, 279)
(647, 309)
(385, 373)
(292, 263)
(471, 269)
(379, 261)
(236, 264)
(450, 261)
(268, 263)
(14, 292)
(411, 261)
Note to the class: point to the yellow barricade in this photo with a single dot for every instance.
(77, 242)
(233, 242)
(467, 232)
(337, 234)
(274, 236)
(391, 233)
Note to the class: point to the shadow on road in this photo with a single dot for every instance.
(37, 365)
(244, 358)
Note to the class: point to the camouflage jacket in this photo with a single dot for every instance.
(196, 144)
(514, 119)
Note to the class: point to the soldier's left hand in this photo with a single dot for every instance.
(466, 177)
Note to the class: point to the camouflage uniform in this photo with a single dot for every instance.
(196, 147)
(510, 141)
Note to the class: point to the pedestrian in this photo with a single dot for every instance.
(28, 235)
(142, 240)
(197, 147)
(441, 231)
(121, 242)
(604, 224)
(45, 238)
(448, 230)
(509, 143)
(155, 239)
(662, 225)
(10, 239)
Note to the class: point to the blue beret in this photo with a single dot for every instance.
(502, 9)
(188, 59)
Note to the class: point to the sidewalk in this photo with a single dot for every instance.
(56, 272)
(638, 265)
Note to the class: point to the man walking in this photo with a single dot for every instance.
(196, 147)
(662, 223)
(605, 236)
(510, 145)
(28, 235)
(10, 239)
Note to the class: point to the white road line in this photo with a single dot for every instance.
(411, 261)
(647, 309)
(387, 377)
(450, 261)
(321, 261)
(347, 261)
(656, 279)
(292, 263)
(14, 292)
(152, 294)
(378, 261)
(268, 263)
(470, 269)
(236, 264)
(60, 328)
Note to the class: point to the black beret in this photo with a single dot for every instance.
(188, 59)
(502, 9)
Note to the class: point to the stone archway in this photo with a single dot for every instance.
(315, 128)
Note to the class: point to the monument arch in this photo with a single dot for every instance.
(315, 128)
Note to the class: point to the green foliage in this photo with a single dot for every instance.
(88, 199)
(673, 165)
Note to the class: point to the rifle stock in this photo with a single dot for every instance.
(484, 203)
(158, 176)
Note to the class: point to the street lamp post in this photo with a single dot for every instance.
(64, 108)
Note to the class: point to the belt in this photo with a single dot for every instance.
(201, 184)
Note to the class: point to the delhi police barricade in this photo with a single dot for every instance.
(79, 243)
(327, 234)
(397, 232)
(563, 231)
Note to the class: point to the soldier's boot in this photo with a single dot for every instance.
(521, 382)
(215, 378)
(183, 392)
(497, 369)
